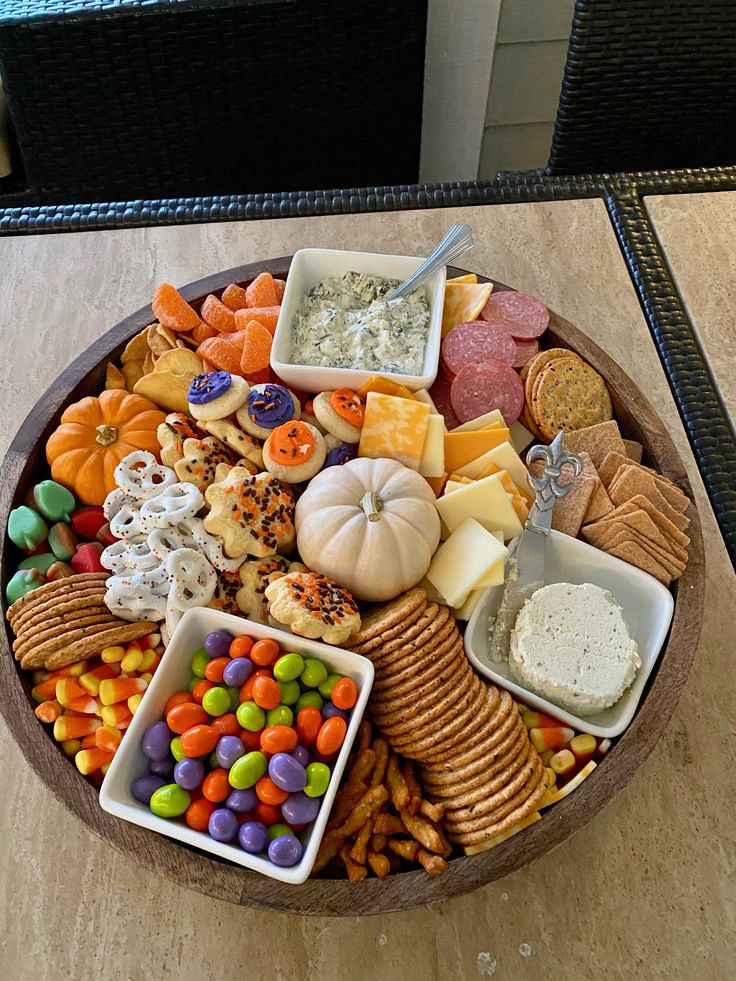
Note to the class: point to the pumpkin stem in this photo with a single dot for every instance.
(106, 434)
(372, 505)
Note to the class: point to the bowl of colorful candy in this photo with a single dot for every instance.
(240, 743)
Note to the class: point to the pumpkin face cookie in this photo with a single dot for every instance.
(294, 452)
(341, 413)
(254, 515)
(267, 407)
(313, 606)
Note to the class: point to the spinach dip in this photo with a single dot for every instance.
(349, 323)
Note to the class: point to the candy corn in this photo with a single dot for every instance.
(71, 727)
(113, 690)
(91, 680)
(132, 660)
(71, 746)
(536, 720)
(48, 711)
(563, 763)
(554, 737)
(583, 747)
(116, 715)
(88, 760)
(107, 738)
(67, 690)
(44, 691)
(112, 654)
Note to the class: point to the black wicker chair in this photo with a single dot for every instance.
(649, 84)
(114, 99)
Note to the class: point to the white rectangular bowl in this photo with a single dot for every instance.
(309, 267)
(173, 674)
(647, 611)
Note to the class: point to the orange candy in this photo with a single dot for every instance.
(268, 793)
(200, 689)
(184, 716)
(262, 292)
(278, 739)
(226, 725)
(48, 711)
(308, 724)
(234, 297)
(216, 785)
(178, 698)
(345, 693)
(279, 286)
(107, 738)
(197, 815)
(217, 315)
(88, 760)
(172, 310)
(265, 652)
(256, 348)
(90, 741)
(199, 740)
(246, 689)
(266, 316)
(216, 668)
(331, 735)
(267, 814)
(251, 740)
(202, 332)
(223, 351)
(241, 647)
(266, 693)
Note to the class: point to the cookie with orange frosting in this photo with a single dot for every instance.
(253, 514)
(294, 452)
(312, 605)
(341, 413)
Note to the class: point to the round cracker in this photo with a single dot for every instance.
(428, 724)
(59, 631)
(488, 786)
(400, 647)
(492, 730)
(568, 395)
(62, 613)
(55, 605)
(418, 746)
(484, 766)
(423, 715)
(373, 642)
(504, 801)
(415, 655)
(512, 818)
(382, 618)
(70, 637)
(58, 587)
(121, 633)
(537, 364)
(431, 665)
(511, 782)
(408, 631)
(450, 748)
(408, 695)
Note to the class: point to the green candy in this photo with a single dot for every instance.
(250, 716)
(248, 770)
(318, 779)
(290, 692)
(234, 694)
(325, 689)
(277, 830)
(279, 716)
(26, 528)
(199, 662)
(62, 541)
(169, 801)
(55, 502)
(310, 699)
(24, 581)
(176, 750)
(216, 701)
(314, 673)
(193, 684)
(41, 562)
(288, 667)
(212, 760)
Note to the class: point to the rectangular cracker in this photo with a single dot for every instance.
(643, 524)
(633, 450)
(620, 533)
(600, 503)
(613, 462)
(633, 481)
(569, 511)
(635, 555)
(673, 534)
(597, 441)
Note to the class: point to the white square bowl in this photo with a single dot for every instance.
(173, 674)
(309, 267)
(647, 611)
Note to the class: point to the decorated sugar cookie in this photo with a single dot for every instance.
(216, 395)
(294, 452)
(267, 407)
(341, 413)
(340, 454)
(254, 515)
(241, 443)
(313, 606)
(255, 576)
(200, 459)
(171, 435)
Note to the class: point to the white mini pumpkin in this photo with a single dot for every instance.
(371, 525)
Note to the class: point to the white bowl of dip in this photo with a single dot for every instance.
(312, 266)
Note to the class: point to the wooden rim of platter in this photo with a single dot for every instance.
(197, 870)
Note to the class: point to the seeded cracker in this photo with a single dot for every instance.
(568, 395)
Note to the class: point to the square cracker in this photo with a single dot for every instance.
(632, 481)
(672, 494)
(620, 533)
(597, 441)
(643, 524)
(634, 450)
(570, 510)
(634, 554)
(600, 503)
(678, 540)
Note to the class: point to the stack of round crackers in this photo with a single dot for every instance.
(432, 707)
(561, 391)
(64, 621)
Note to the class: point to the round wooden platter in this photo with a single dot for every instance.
(25, 464)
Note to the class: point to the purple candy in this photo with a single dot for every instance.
(156, 741)
(238, 671)
(189, 773)
(206, 388)
(252, 836)
(144, 787)
(300, 809)
(223, 825)
(329, 711)
(286, 772)
(217, 644)
(228, 750)
(301, 755)
(164, 768)
(241, 801)
(285, 850)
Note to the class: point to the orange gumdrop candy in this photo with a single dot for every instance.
(256, 348)
(262, 292)
(234, 297)
(217, 315)
(202, 332)
(172, 310)
(223, 351)
(279, 286)
(268, 316)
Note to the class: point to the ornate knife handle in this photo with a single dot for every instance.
(548, 485)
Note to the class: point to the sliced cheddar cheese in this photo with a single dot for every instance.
(394, 428)
(463, 302)
(486, 501)
(467, 609)
(461, 448)
(377, 383)
(501, 457)
(432, 463)
(467, 278)
(467, 555)
(437, 483)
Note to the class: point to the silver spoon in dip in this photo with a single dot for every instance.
(457, 241)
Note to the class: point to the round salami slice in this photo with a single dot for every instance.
(479, 388)
(519, 314)
(476, 341)
(440, 395)
(525, 351)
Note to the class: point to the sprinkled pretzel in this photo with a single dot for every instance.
(193, 580)
(141, 476)
(171, 506)
(126, 523)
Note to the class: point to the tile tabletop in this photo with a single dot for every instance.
(644, 891)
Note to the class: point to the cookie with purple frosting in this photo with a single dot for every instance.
(267, 407)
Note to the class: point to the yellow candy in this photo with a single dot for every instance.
(132, 660)
(110, 655)
(147, 659)
(78, 669)
(147, 676)
(134, 701)
(104, 768)
(71, 746)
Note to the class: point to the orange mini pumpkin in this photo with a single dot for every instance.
(93, 437)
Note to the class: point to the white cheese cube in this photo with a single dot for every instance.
(432, 463)
(469, 553)
(484, 500)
